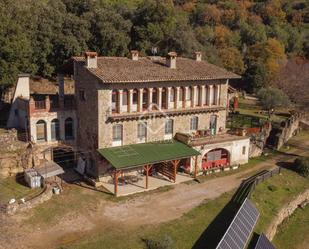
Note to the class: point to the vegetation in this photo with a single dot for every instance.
(302, 166)
(272, 98)
(249, 37)
(293, 230)
(185, 231)
(12, 188)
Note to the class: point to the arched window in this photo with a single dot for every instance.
(114, 100)
(69, 129)
(145, 99)
(41, 130)
(163, 98)
(172, 95)
(214, 95)
(135, 97)
(181, 94)
(125, 94)
(193, 123)
(55, 129)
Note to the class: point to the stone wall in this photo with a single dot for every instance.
(45, 195)
(15, 156)
(285, 212)
(289, 128)
(258, 141)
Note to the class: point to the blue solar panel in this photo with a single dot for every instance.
(240, 229)
(263, 243)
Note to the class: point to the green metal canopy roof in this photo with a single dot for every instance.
(130, 156)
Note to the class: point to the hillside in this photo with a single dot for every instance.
(251, 38)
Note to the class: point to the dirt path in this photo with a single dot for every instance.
(133, 212)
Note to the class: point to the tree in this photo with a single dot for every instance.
(232, 60)
(272, 98)
(302, 166)
(269, 54)
(15, 46)
(110, 32)
(256, 76)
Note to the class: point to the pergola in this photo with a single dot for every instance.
(145, 155)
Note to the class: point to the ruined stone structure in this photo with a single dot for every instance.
(43, 118)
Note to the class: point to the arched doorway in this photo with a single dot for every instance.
(55, 129)
(41, 130)
(216, 158)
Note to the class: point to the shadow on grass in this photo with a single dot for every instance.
(286, 165)
(253, 241)
(210, 238)
(20, 179)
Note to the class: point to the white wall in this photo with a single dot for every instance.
(22, 90)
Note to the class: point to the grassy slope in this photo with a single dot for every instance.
(187, 229)
(9, 189)
(271, 195)
(294, 229)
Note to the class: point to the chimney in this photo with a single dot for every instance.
(198, 56)
(91, 59)
(171, 60)
(134, 55)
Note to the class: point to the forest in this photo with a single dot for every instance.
(252, 38)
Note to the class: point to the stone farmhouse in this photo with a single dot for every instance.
(150, 115)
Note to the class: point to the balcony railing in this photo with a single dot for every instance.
(163, 112)
(203, 138)
(39, 105)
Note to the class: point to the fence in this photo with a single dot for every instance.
(247, 186)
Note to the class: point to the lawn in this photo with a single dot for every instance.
(272, 194)
(292, 232)
(10, 188)
(252, 108)
(185, 231)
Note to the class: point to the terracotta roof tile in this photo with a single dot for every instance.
(154, 69)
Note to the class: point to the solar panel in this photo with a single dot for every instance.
(263, 243)
(240, 229)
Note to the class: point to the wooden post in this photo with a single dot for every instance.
(147, 168)
(116, 175)
(175, 164)
(195, 168)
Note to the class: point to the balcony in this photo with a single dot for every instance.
(114, 116)
(204, 137)
(50, 103)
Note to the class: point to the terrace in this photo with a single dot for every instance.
(202, 137)
(47, 103)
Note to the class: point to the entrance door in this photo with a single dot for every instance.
(213, 124)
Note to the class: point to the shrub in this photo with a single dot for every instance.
(272, 188)
(302, 166)
(165, 243)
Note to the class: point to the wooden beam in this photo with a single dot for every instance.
(175, 163)
(195, 168)
(147, 169)
(116, 175)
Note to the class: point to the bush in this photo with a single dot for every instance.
(302, 166)
(272, 188)
(165, 243)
